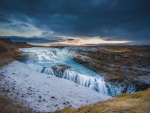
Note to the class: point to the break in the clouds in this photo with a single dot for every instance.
(110, 20)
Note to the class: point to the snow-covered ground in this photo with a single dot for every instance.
(44, 93)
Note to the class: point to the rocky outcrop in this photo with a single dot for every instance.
(6, 40)
(9, 49)
(60, 69)
(14, 45)
(127, 68)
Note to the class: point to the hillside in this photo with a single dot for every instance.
(125, 103)
(8, 49)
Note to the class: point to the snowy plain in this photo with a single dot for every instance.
(44, 93)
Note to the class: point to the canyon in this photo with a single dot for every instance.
(99, 71)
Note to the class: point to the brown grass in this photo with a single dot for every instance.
(9, 106)
(125, 103)
(6, 50)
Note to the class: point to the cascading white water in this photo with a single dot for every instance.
(95, 83)
(46, 58)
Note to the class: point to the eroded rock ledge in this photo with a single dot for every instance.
(127, 68)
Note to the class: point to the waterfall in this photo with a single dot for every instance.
(95, 83)
(46, 58)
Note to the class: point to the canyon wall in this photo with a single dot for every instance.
(125, 69)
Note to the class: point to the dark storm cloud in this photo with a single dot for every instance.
(116, 19)
(70, 39)
(31, 39)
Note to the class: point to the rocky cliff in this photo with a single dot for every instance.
(125, 69)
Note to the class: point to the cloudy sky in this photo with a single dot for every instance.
(76, 22)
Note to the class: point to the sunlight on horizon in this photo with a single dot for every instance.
(82, 42)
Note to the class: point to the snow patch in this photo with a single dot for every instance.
(44, 93)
